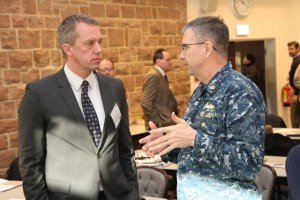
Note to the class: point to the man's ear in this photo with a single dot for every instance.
(67, 49)
(208, 48)
(157, 62)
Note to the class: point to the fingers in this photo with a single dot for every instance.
(145, 139)
(148, 152)
(176, 119)
(152, 125)
(161, 130)
(166, 150)
(161, 148)
(148, 138)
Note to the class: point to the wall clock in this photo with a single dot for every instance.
(242, 8)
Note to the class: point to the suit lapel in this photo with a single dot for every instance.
(164, 82)
(106, 95)
(108, 101)
(67, 94)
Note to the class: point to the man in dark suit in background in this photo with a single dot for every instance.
(158, 101)
(74, 136)
(107, 67)
(294, 52)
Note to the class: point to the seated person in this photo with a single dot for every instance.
(13, 172)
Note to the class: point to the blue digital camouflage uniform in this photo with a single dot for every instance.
(228, 114)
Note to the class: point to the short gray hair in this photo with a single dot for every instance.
(213, 29)
(67, 29)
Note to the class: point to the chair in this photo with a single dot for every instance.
(265, 181)
(13, 172)
(292, 167)
(278, 145)
(153, 182)
(275, 121)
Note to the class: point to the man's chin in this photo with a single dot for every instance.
(190, 71)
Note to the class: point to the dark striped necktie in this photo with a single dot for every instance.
(166, 78)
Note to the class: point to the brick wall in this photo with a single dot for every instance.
(132, 31)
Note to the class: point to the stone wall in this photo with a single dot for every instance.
(132, 30)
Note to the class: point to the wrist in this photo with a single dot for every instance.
(193, 138)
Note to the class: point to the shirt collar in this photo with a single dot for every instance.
(160, 70)
(76, 80)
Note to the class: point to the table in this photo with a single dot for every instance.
(17, 193)
(293, 133)
(169, 166)
(278, 163)
(137, 132)
(137, 129)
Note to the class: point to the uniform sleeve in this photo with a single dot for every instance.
(238, 151)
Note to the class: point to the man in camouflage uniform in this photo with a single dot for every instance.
(220, 139)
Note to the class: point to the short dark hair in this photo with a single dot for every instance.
(158, 54)
(67, 29)
(293, 43)
(213, 29)
(251, 58)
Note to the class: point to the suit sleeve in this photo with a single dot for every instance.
(126, 152)
(32, 143)
(148, 97)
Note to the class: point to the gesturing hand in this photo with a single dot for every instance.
(146, 140)
(165, 139)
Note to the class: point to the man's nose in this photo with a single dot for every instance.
(181, 55)
(98, 48)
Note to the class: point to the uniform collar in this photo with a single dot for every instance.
(214, 84)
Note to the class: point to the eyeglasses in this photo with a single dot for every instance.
(185, 47)
(106, 69)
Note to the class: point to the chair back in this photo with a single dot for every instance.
(275, 121)
(292, 166)
(153, 182)
(265, 181)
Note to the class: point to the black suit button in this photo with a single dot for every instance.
(99, 155)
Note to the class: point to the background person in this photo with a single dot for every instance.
(294, 52)
(107, 67)
(158, 100)
(249, 68)
(74, 138)
(221, 137)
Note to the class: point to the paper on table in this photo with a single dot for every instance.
(3, 180)
(16, 199)
(142, 161)
(8, 185)
(276, 165)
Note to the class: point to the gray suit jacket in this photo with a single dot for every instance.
(58, 158)
(158, 101)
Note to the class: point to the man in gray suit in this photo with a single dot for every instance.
(158, 101)
(74, 138)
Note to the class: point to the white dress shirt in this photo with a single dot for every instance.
(93, 92)
(160, 70)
